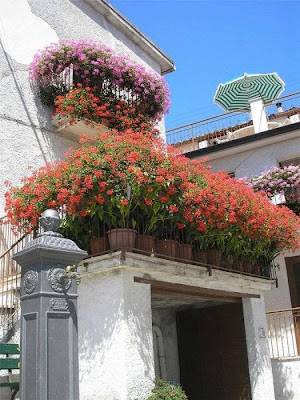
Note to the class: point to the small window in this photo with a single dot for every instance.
(292, 161)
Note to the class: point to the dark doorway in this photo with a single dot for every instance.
(213, 354)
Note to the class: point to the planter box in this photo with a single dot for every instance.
(74, 131)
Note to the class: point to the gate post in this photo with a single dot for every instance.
(49, 343)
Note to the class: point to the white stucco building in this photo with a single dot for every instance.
(139, 315)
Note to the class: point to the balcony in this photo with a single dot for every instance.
(230, 126)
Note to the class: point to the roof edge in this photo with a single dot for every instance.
(131, 31)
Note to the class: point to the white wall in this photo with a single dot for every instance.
(27, 136)
(115, 336)
(286, 374)
(253, 162)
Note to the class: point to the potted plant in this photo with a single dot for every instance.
(281, 185)
(167, 391)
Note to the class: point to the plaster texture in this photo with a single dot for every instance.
(118, 341)
(260, 370)
(116, 360)
(286, 374)
(27, 135)
(165, 319)
(260, 158)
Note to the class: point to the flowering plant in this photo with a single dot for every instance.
(124, 178)
(280, 181)
(167, 391)
(83, 103)
(95, 65)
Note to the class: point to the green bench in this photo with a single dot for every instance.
(10, 363)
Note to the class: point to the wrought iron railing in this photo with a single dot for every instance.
(222, 127)
(284, 332)
(10, 243)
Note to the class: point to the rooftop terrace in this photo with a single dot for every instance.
(229, 126)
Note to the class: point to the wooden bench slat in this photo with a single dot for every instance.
(9, 348)
(10, 384)
(9, 363)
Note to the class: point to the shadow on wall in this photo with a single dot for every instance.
(286, 379)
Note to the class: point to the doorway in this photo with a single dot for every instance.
(213, 353)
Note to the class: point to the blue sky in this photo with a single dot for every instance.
(215, 41)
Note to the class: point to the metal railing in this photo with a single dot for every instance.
(10, 243)
(220, 128)
(284, 332)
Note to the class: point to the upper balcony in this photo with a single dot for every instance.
(230, 126)
(90, 88)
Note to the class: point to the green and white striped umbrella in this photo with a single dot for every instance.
(236, 94)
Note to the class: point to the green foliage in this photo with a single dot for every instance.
(167, 391)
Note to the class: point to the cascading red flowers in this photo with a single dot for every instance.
(164, 186)
(83, 103)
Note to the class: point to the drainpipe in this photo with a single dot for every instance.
(161, 352)
(258, 114)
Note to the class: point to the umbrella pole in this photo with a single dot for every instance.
(258, 115)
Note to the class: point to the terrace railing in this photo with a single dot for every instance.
(220, 128)
(284, 332)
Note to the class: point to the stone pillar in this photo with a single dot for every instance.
(258, 115)
(260, 368)
(115, 335)
(49, 344)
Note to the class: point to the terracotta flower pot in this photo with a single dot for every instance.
(121, 237)
(167, 247)
(256, 270)
(248, 268)
(185, 251)
(214, 257)
(145, 243)
(200, 256)
(98, 245)
(238, 265)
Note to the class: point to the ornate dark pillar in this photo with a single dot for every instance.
(49, 344)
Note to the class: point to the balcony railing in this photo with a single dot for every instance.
(10, 243)
(284, 332)
(231, 125)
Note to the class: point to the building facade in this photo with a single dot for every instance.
(139, 315)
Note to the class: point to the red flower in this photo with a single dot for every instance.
(100, 200)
